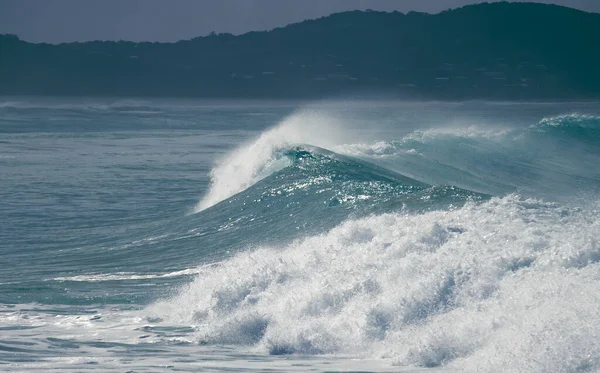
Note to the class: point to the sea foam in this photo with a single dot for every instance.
(511, 284)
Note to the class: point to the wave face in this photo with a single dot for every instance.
(412, 270)
(310, 191)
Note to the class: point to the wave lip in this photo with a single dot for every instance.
(260, 157)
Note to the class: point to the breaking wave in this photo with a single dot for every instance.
(499, 285)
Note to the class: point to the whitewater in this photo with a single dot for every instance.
(373, 236)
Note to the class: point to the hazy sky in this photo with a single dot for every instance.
(170, 20)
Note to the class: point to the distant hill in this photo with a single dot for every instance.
(494, 51)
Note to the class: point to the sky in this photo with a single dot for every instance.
(56, 21)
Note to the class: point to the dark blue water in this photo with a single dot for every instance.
(210, 236)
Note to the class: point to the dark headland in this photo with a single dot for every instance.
(516, 51)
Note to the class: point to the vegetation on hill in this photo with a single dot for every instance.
(497, 50)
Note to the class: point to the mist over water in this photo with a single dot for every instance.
(450, 236)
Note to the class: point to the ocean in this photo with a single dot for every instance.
(343, 235)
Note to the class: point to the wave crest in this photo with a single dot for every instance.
(260, 157)
(571, 121)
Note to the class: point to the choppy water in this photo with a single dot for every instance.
(252, 236)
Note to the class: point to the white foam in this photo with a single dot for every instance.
(382, 149)
(507, 285)
(375, 149)
(127, 276)
(88, 339)
(258, 158)
(570, 120)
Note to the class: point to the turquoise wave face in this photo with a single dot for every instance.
(319, 189)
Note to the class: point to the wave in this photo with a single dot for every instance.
(500, 285)
(549, 159)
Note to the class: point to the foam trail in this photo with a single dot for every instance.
(258, 158)
(123, 276)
